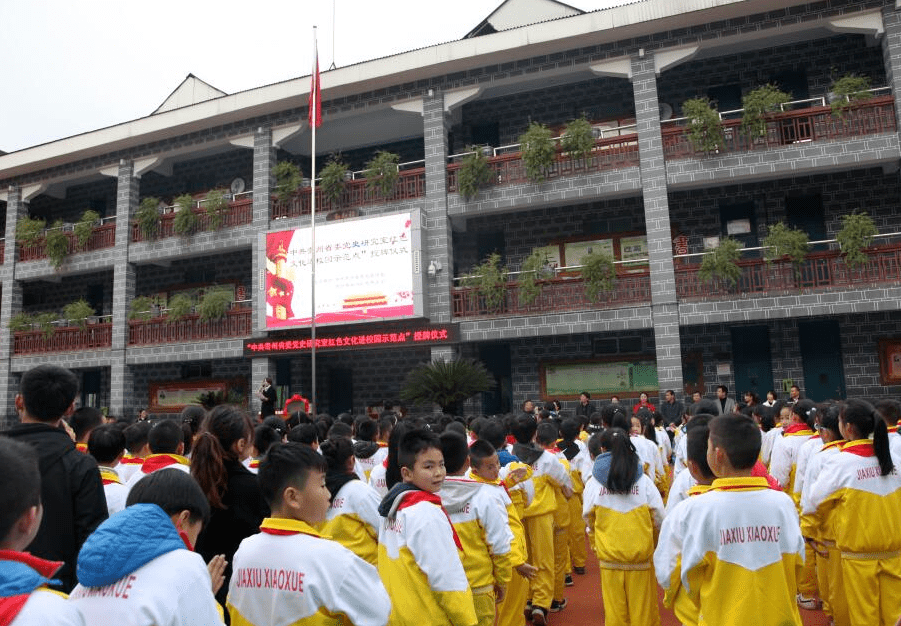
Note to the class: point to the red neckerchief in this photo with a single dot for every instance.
(860, 447)
(131, 460)
(109, 476)
(797, 429)
(893, 429)
(510, 440)
(159, 461)
(759, 471)
(284, 527)
(82, 447)
(385, 463)
(11, 607)
(838, 443)
(415, 497)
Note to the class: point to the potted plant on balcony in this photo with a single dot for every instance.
(537, 151)
(287, 179)
(704, 128)
(214, 303)
(186, 220)
(78, 311)
(847, 90)
(140, 308)
(84, 227)
(21, 322)
(757, 104)
(598, 274)
(474, 173)
(45, 322)
(29, 230)
(180, 305)
(490, 282)
(332, 179)
(148, 218)
(56, 244)
(858, 230)
(578, 139)
(721, 263)
(382, 173)
(446, 383)
(533, 270)
(216, 206)
(783, 241)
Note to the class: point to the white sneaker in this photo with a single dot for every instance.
(810, 604)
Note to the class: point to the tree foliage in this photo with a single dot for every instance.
(446, 383)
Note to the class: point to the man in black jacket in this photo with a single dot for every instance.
(71, 488)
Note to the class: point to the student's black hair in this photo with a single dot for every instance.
(412, 444)
(392, 471)
(336, 452)
(84, 420)
(48, 391)
(339, 429)
(164, 437)
(698, 432)
(106, 443)
(366, 429)
(277, 424)
(595, 423)
(221, 429)
(807, 411)
(647, 425)
(455, 451)
(495, 433)
(866, 419)
(21, 482)
(306, 434)
(620, 419)
(477, 424)
(480, 450)
(455, 427)
(287, 464)
(623, 460)
(524, 428)
(264, 437)
(387, 422)
(704, 405)
(569, 429)
(765, 417)
(193, 415)
(889, 410)
(543, 414)
(547, 433)
(594, 445)
(136, 436)
(173, 491)
(739, 437)
(829, 414)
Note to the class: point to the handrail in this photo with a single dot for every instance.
(517, 147)
(556, 270)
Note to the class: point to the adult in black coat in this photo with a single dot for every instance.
(71, 487)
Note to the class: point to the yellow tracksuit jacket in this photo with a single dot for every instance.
(353, 520)
(783, 462)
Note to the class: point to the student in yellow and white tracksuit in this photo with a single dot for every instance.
(741, 542)
(419, 560)
(288, 573)
(576, 453)
(516, 478)
(353, 518)
(538, 517)
(546, 437)
(858, 495)
(623, 510)
(377, 478)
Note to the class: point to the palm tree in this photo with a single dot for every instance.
(446, 383)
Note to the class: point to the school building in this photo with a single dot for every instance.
(645, 194)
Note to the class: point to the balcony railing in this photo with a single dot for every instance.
(557, 295)
(236, 323)
(103, 236)
(410, 184)
(873, 116)
(68, 339)
(2, 250)
(238, 213)
(820, 271)
(609, 153)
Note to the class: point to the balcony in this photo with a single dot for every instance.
(103, 236)
(873, 116)
(410, 184)
(557, 295)
(235, 324)
(238, 213)
(67, 339)
(609, 153)
(820, 271)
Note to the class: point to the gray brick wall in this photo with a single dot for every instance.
(438, 237)
(891, 52)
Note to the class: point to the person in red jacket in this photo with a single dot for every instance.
(643, 403)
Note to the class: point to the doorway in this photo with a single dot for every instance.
(752, 360)
(496, 358)
(821, 356)
(340, 390)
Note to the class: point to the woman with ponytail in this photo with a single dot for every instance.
(353, 518)
(236, 502)
(857, 497)
(624, 511)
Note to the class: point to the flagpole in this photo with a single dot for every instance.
(314, 118)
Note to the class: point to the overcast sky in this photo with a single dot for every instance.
(75, 66)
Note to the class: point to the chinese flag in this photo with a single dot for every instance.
(315, 103)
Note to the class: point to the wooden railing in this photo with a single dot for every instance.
(876, 115)
(236, 323)
(410, 184)
(2, 251)
(819, 271)
(239, 213)
(68, 339)
(557, 295)
(101, 237)
(609, 153)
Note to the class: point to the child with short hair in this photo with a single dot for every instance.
(107, 445)
(478, 512)
(166, 441)
(136, 449)
(546, 437)
(571, 449)
(419, 561)
(741, 541)
(24, 600)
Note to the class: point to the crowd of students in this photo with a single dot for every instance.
(395, 519)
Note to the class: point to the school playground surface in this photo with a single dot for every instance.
(584, 605)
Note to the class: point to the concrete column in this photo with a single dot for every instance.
(664, 304)
(438, 240)
(264, 154)
(891, 52)
(122, 400)
(10, 305)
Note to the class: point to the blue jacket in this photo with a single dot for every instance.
(126, 541)
(601, 468)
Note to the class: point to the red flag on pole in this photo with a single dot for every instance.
(315, 104)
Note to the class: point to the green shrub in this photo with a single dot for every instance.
(78, 311)
(722, 263)
(382, 172)
(332, 179)
(849, 89)
(216, 206)
(287, 179)
(474, 173)
(148, 218)
(757, 105)
(215, 303)
(84, 227)
(140, 308)
(705, 130)
(578, 139)
(537, 151)
(490, 281)
(56, 244)
(179, 306)
(858, 230)
(186, 220)
(598, 273)
(30, 230)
